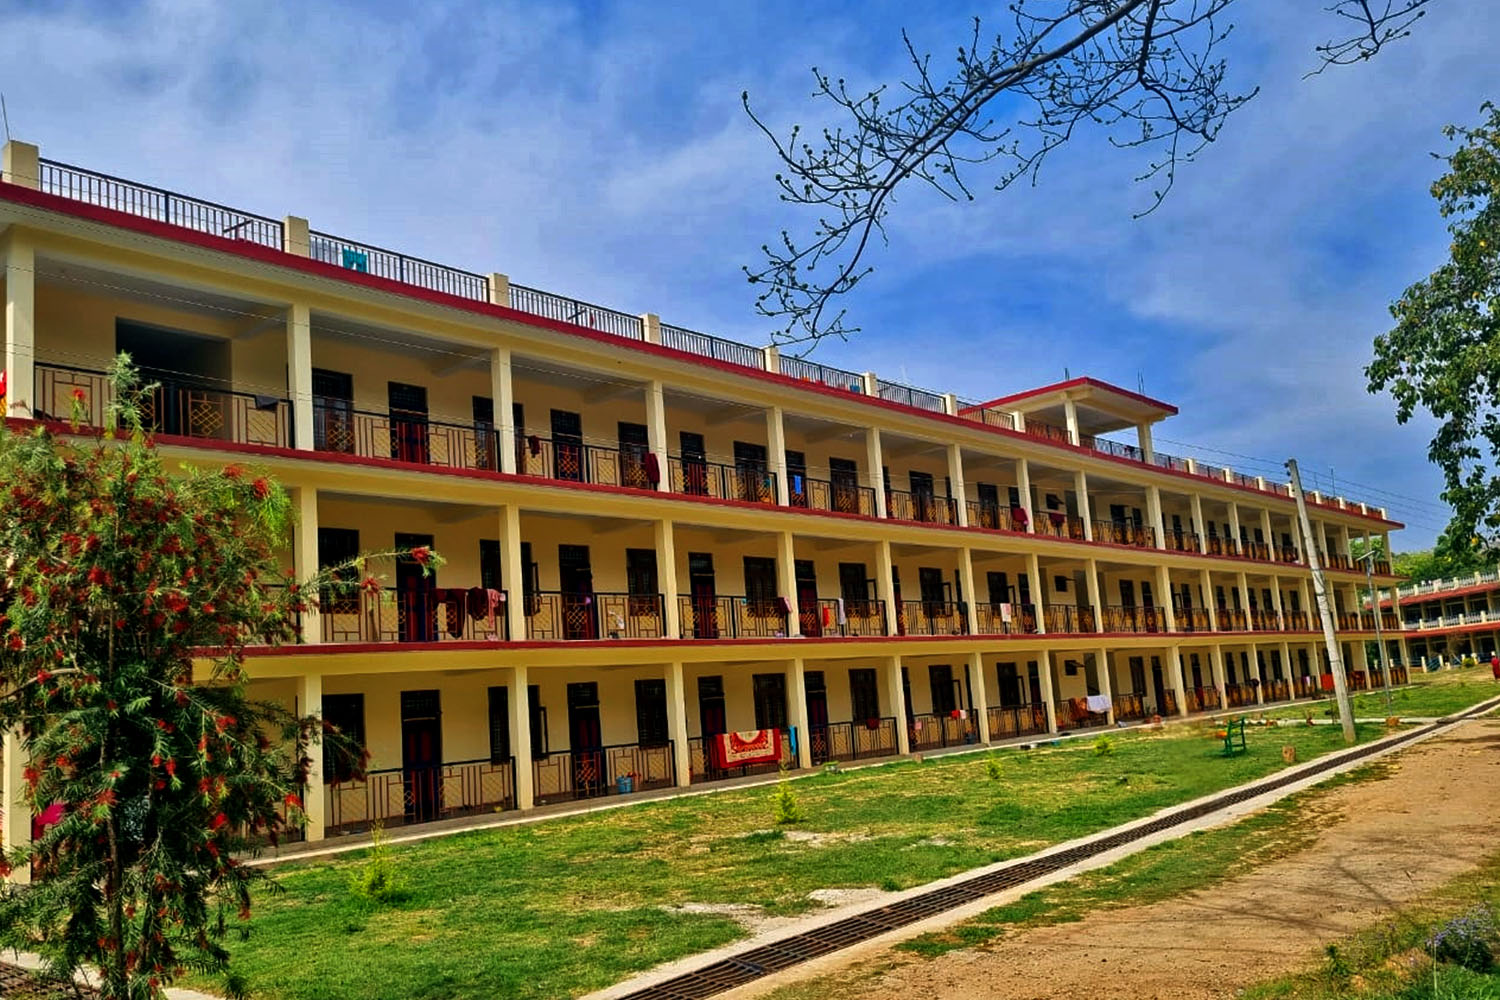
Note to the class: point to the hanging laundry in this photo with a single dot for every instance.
(843, 619)
(534, 445)
(653, 468)
(827, 616)
(1098, 703)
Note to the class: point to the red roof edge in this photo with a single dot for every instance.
(1074, 383)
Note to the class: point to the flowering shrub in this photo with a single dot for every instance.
(1467, 940)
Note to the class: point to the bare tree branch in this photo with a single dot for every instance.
(1145, 72)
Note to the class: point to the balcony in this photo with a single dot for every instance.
(1264, 621)
(402, 437)
(1073, 713)
(172, 408)
(553, 616)
(1129, 706)
(1239, 695)
(994, 517)
(579, 462)
(929, 731)
(1118, 618)
(841, 741)
(834, 617)
(721, 617)
(1182, 541)
(1226, 547)
(1259, 551)
(1288, 554)
(1233, 620)
(621, 769)
(1278, 689)
(1141, 536)
(1059, 524)
(1296, 621)
(1192, 620)
(923, 508)
(699, 478)
(1064, 619)
(1202, 699)
(396, 796)
(1006, 619)
(932, 618)
(1022, 720)
(702, 765)
(1336, 560)
(432, 614)
(839, 497)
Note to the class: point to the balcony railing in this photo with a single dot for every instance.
(1047, 432)
(1239, 695)
(366, 259)
(707, 346)
(156, 203)
(403, 437)
(812, 371)
(921, 399)
(1222, 546)
(578, 462)
(839, 497)
(1336, 560)
(552, 616)
(1277, 689)
(1259, 551)
(702, 765)
(1232, 620)
(172, 408)
(699, 478)
(1288, 554)
(1006, 619)
(834, 617)
(1073, 713)
(1296, 621)
(1065, 619)
(567, 310)
(1020, 720)
(1059, 524)
(1118, 449)
(926, 731)
(429, 614)
(721, 617)
(991, 516)
(1182, 541)
(1129, 706)
(396, 796)
(620, 769)
(1305, 687)
(932, 618)
(1202, 699)
(923, 508)
(1142, 536)
(991, 417)
(1264, 621)
(1118, 618)
(1192, 620)
(841, 741)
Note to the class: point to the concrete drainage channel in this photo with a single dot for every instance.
(754, 963)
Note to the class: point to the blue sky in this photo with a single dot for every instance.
(599, 149)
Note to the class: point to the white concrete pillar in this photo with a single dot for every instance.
(305, 556)
(966, 583)
(513, 573)
(980, 694)
(1206, 585)
(1175, 668)
(786, 571)
(1143, 441)
(776, 447)
(895, 697)
(771, 358)
(956, 483)
(1164, 596)
(519, 704)
(796, 693)
(20, 164)
(315, 795)
(1023, 487)
(1038, 592)
(1243, 583)
(1265, 528)
(651, 328)
(503, 399)
(20, 327)
(1085, 509)
(1260, 675)
(1216, 662)
(299, 369)
(885, 585)
(875, 469)
(296, 239)
(1345, 546)
(666, 573)
(1044, 659)
(1153, 513)
(1234, 526)
(1106, 681)
(1198, 524)
(499, 288)
(17, 814)
(1070, 413)
(656, 433)
(1096, 600)
(1276, 602)
(677, 729)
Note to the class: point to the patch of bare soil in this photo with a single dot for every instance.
(1395, 839)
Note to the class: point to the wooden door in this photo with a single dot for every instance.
(333, 410)
(407, 406)
(584, 740)
(567, 446)
(809, 614)
(634, 445)
(422, 755)
(704, 596)
(416, 615)
(694, 463)
(575, 578)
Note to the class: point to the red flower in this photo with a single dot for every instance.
(79, 396)
(97, 577)
(16, 642)
(371, 585)
(261, 487)
(175, 603)
(421, 554)
(233, 472)
(293, 800)
(218, 821)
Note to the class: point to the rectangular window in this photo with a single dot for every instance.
(345, 713)
(770, 701)
(760, 581)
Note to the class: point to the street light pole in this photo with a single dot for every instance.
(1385, 661)
(1325, 611)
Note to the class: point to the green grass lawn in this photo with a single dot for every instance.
(1429, 695)
(562, 907)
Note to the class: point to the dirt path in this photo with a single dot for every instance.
(1393, 840)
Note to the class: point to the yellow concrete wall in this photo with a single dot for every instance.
(373, 366)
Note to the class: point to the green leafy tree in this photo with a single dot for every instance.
(1443, 354)
(128, 599)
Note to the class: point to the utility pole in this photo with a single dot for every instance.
(1325, 610)
(1385, 664)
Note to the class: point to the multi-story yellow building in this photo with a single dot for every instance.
(655, 536)
(1442, 621)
